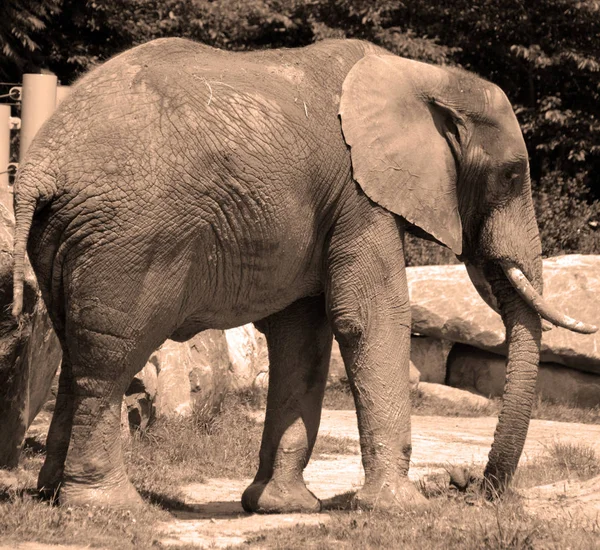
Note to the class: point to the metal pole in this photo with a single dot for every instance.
(38, 103)
(5, 191)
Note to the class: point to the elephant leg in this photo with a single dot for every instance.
(59, 434)
(299, 340)
(94, 471)
(107, 347)
(368, 305)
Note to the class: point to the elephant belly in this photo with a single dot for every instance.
(254, 278)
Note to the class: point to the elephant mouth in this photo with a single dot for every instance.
(536, 302)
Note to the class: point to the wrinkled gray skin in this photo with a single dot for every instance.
(181, 188)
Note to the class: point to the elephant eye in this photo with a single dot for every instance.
(509, 176)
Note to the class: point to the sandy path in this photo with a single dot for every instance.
(220, 520)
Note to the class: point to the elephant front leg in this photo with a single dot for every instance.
(370, 314)
(299, 340)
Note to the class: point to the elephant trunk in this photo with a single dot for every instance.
(523, 332)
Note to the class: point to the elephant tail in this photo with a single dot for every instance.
(25, 206)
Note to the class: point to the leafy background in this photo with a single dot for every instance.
(544, 54)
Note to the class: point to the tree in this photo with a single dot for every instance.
(20, 24)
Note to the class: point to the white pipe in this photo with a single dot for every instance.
(5, 190)
(61, 93)
(38, 103)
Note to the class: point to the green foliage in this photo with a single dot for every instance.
(20, 22)
(568, 218)
(544, 54)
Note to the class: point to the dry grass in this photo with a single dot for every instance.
(222, 440)
(561, 460)
(24, 518)
(451, 522)
(327, 445)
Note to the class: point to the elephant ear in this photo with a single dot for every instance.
(400, 142)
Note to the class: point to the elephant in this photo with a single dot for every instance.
(180, 188)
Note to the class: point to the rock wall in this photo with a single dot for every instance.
(460, 341)
(457, 340)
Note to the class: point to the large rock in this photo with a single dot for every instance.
(484, 372)
(248, 354)
(180, 375)
(430, 356)
(445, 305)
(29, 354)
(455, 395)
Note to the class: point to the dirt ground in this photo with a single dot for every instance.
(219, 520)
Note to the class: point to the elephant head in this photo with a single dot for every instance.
(443, 149)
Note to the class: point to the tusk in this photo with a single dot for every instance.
(525, 289)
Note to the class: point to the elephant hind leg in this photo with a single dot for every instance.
(299, 341)
(106, 347)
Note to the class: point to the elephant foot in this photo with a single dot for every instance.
(121, 496)
(274, 497)
(401, 495)
(49, 481)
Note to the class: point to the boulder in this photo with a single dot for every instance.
(180, 375)
(173, 364)
(414, 376)
(429, 356)
(29, 354)
(484, 372)
(445, 305)
(337, 369)
(456, 395)
(248, 354)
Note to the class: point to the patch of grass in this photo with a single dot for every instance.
(218, 440)
(423, 405)
(338, 396)
(542, 410)
(577, 459)
(564, 412)
(450, 523)
(24, 518)
(561, 460)
(329, 445)
(175, 451)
